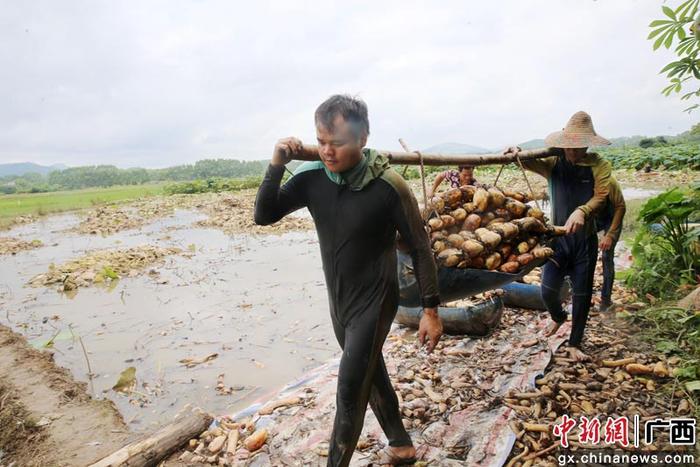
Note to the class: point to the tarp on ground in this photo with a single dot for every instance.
(470, 427)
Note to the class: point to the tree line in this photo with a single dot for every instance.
(74, 178)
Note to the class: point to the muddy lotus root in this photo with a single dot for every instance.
(482, 227)
(472, 248)
(481, 199)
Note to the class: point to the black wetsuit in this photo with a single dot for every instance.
(357, 219)
(583, 186)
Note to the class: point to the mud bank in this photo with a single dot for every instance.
(48, 418)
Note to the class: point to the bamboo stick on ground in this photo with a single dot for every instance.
(310, 153)
(151, 450)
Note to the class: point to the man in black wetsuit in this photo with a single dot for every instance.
(358, 204)
(578, 188)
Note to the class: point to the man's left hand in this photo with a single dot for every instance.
(430, 328)
(575, 222)
(605, 243)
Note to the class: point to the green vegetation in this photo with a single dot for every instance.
(675, 332)
(671, 31)
(666, 265)
(108, 175)
(212, 185)
(653, 142)
(665, 249)
(670, 157)
(44, 203)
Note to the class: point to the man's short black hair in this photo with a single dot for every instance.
(352, 109)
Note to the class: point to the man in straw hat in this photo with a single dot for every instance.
(578, 188)
(610, 224)
(358, 204)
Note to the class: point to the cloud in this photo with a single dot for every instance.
(164, 82)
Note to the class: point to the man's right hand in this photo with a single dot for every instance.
(430, 328)
(575, 222)
(605, 244)
(285, 149)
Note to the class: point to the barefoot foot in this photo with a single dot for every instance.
(552, 328)
(401, 455)
(577, 354)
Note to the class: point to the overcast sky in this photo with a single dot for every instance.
(158, 83)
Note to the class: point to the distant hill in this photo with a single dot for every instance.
(628, 140)
(455, 148)
(532, 144)
(21, 168)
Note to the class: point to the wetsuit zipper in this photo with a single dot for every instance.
(335, 250)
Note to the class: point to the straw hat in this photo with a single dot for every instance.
(578, 133)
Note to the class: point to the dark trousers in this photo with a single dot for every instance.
(362, 378)
(574, 256)
(608, 259)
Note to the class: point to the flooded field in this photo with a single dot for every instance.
(250, 308)
(225, 321)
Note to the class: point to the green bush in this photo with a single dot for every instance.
(212, 185)
(669, 157)
(652, 142)
(665, 251)
(646, 143)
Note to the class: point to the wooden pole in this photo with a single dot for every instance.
(310, 153)
(422, 171)
(151, 450)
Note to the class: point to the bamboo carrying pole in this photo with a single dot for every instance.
(310, 153)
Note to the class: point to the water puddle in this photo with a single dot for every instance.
(259, 303)
(631, 193)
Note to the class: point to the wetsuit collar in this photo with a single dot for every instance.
(371, 166)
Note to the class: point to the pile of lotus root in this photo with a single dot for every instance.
(481, 227)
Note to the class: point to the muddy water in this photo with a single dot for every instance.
(638, 193)
(629, 193)
(257, 302)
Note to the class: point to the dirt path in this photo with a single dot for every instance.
(46, 417)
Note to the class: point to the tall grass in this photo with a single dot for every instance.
(39, 204)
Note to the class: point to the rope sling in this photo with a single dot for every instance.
(429, 209)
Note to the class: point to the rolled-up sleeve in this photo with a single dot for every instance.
(618, 201)
(542, 166)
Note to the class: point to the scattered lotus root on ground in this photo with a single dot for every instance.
(106, 220)
(233, 213)
(621, 379)
(18, 220)
(12, 245)
(102, 266)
